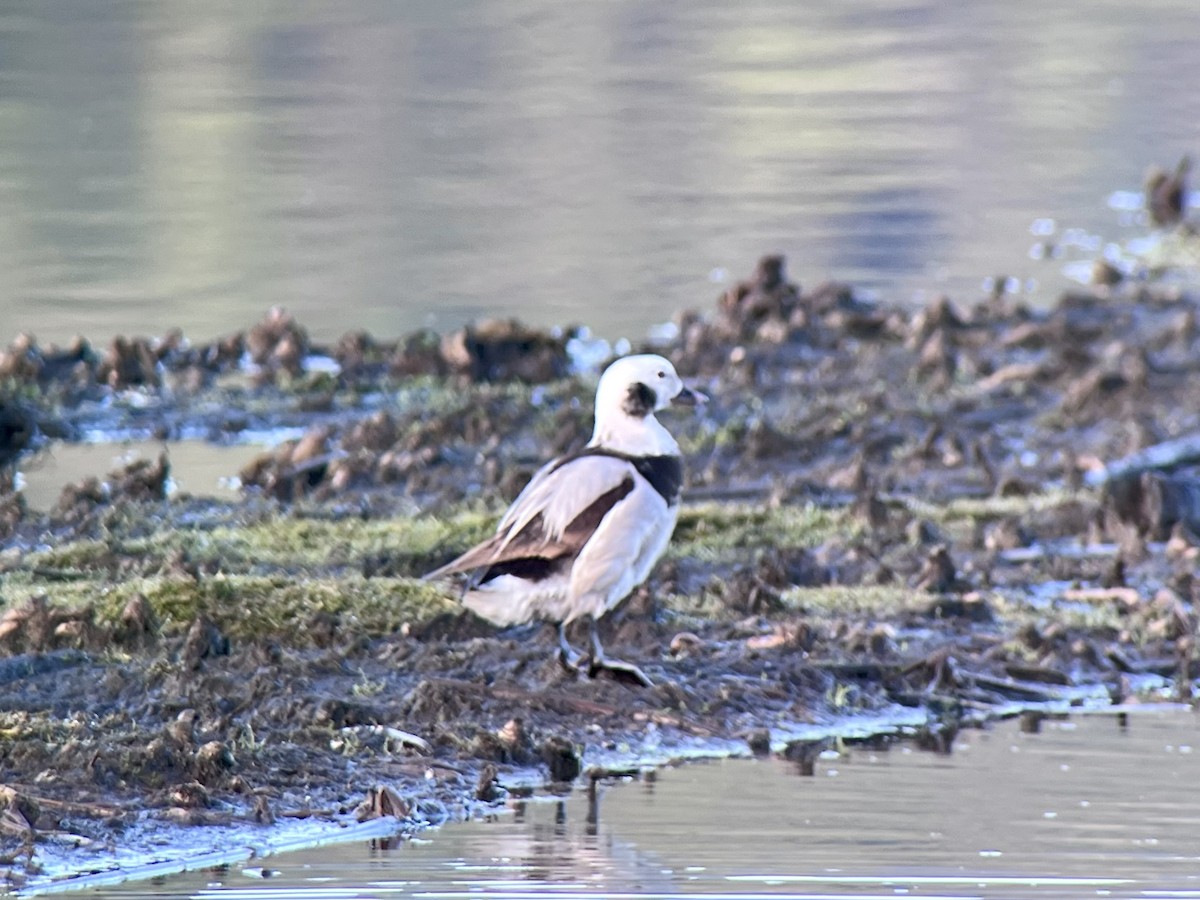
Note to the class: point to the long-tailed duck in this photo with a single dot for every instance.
(588, 527)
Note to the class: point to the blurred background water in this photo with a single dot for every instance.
(393, 165)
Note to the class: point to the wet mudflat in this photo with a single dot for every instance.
(1090, 808)
(896, 521)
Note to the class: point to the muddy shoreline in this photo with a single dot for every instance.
(896, 521)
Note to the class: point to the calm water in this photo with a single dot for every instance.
(389, 165)
(1082, 809)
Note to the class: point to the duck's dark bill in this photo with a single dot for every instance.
(688, 397)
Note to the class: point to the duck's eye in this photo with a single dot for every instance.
(662, 374)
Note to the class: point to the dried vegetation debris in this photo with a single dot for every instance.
(279, 350)
(884, 507)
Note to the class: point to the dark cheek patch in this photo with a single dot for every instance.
(640, 401)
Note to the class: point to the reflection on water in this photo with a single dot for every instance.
(1083, 808)
(390, 164)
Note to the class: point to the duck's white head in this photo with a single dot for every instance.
(630, 392)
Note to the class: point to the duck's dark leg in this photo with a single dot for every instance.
(567, 655)
(622, 671)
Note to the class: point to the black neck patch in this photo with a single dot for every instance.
(665, 473)
(640, 401)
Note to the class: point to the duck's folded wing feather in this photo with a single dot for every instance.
(554, 516)
(561, 491)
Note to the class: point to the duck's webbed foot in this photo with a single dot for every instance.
(572, 660)
(618, 670)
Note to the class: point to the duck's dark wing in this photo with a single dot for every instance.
(551, 520)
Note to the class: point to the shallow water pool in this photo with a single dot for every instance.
(1085, 807)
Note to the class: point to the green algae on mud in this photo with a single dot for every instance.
(268, 577)
(711, 530)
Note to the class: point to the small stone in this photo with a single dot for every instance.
(759, 742)
(562, 759)
(487, 788)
